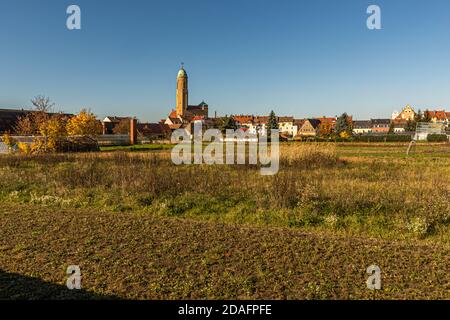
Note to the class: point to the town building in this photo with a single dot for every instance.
(380, 125)
(184, 116)
(110, 122)
(438, 116)
(287, 125)
(407, 113)
(310, 128)
(362, 126)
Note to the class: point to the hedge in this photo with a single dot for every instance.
(437, 138)
(384, 138)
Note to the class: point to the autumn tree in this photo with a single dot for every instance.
(29, 124)
(9, 141)
(53, 132)
(84, 124)
(123, 127)
(325, 129)
(25, 125)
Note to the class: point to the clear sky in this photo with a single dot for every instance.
(302, 58)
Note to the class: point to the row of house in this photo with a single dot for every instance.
(399, 121)
(288, 125)
(312, 127)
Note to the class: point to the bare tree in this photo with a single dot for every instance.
(30, 123)
(42, 104)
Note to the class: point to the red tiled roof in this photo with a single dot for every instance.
(438, 114)
(173, 114)
(285, 119)
(326, 119)
(243, 119)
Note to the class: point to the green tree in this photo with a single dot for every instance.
(426, 116)
(343, 125)
(228, 123)
(273, 122)
(410, 125)
(419, 116)
(391, 128)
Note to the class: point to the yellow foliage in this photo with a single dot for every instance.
(53, 131)
(24, 147)
(8, 140)
(85, 123)
(344, 135)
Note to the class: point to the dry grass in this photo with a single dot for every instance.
(387, 197)
(128, 219)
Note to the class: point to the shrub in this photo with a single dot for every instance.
(24, 147)
(9, 141)
(384, 138)
(437, 138)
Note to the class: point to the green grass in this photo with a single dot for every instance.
(138, 147)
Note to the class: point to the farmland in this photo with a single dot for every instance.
(143, 228)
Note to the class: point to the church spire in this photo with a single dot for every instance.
(182, 91)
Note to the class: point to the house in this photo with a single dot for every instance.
(153, 130)
(310, 127)
(380, 125)
(110, 122)
(362, 126)
(438, 116)
(328, 120)
(258, 124)
(407, 113)
(286, 126)
(399, 127)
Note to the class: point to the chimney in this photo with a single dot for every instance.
(133, 131)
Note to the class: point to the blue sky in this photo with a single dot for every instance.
(301, 58)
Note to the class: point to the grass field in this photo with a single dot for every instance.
(141, 227)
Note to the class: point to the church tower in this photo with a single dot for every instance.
(182, 92)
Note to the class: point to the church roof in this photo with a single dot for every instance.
(182, 73)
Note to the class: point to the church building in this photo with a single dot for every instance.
(185, 113)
